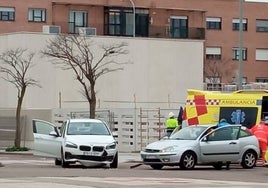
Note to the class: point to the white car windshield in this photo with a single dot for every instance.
(188, 133)
(87, 128)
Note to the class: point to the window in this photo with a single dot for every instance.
(179, 26)
(7, 14)
(261, 54)
(262, 25)
(236, 24)
(244, 133)
(236, 54)
(42, 128)
(224, 133)
(37, 15)
(142, 21)
(77, 19)
(119, 21)
(213, 83)
(262, 80)
(213, 79)
(214, 23)
(244, 80)
(213, 53)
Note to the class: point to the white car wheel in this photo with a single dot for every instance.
(114, 164)
(63, 162)
(57, 162)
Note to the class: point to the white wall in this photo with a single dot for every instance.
(161, 72)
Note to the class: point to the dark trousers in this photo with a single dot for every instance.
(169, 131)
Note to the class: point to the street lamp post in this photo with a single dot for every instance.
(240, 65)
(134, 17)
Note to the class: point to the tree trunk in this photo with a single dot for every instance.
(18, 123)
(92, 105)
(18, 135)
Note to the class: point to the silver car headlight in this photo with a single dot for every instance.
(168, 149)
(111, 146)
(71, 145)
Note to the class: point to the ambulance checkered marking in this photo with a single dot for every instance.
(208, 102)
(190, 102)
(212, 102)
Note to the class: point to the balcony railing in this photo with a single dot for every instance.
(164, 32)
(233, 87)
(153, 31)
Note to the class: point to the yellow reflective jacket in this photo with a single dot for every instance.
(171, 123)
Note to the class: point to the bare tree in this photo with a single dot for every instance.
(15, 63)
(215, 70)
(76, 53)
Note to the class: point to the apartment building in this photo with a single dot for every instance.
(177, 19)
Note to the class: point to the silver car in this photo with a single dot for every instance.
(204, 144)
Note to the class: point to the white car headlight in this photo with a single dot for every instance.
(111, 146)
(70, 145)
(168, 149)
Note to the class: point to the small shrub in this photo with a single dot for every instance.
(13, 148)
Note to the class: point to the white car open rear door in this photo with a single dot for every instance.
(47, 139)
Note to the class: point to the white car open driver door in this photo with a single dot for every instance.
(47, 139)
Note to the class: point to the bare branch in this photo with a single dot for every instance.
(88, 60)
(216, 69)
(15, 65)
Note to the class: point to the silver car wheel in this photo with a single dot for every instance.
(249, 160)
(188, 160)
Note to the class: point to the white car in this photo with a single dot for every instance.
(87, 141)
(204, 144)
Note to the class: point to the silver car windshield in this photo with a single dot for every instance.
(87, 128)
(188, 133)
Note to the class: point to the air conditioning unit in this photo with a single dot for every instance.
(87, 31)
(51, 29)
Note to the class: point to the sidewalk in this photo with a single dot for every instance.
(123, 157)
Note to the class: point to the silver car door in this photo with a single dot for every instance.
(47, 140)
(220, 145)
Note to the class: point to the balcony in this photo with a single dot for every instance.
(164, 32)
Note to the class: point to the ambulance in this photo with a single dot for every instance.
(245, 107)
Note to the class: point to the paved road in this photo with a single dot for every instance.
(34, 172)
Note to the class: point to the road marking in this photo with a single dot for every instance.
(149, 181)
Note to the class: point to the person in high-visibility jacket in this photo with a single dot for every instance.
(171, 123)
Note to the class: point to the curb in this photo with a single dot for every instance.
(16, 152)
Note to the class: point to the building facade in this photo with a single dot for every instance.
(176, 19)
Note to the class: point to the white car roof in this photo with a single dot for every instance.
(85, 120)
